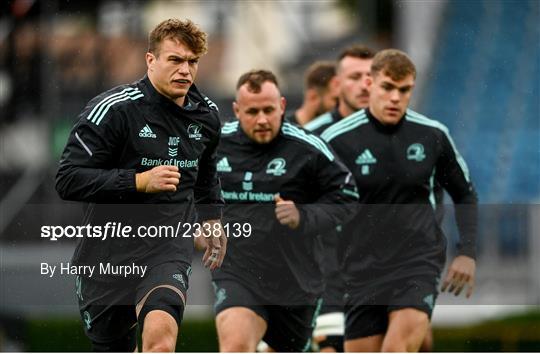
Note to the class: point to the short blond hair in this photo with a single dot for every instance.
(185, 32)
(394, 63)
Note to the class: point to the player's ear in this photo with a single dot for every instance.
(369, 82)
(311, 94)
(150, 60)
(333, 85)
(282, 103)
(236, 109)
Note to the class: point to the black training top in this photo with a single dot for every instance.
(396, 168)
(131, 129)
(279, 264)
(320, 123)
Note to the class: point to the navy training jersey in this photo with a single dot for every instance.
(318, 124)
(131, 129)
(277, 263)
(396, 168)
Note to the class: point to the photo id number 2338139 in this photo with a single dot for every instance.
(216, 229)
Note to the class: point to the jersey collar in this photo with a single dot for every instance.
(193, 97)
(384, 128)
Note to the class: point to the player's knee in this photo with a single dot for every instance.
(236, 341)
(394, 345)
(163, 345)
(162, 299)
(236, 344)
(160, 332)
(159, 319)
(427, 343)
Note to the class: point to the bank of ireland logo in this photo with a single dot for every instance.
(365, 159)
(194, 131)
(173, 146)
(276, 167)
(416, 152)
(247, 184)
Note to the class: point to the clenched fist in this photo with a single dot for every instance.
(287, 213)
(162, 178)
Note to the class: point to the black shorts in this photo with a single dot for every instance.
(109, 309)
(289, 327)
(367, 310)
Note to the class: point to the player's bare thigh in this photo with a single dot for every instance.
(406, 330)
(239, 329)
(364, 344)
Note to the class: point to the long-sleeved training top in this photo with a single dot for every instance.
(275, 262)
(395, 233)
(131, 129)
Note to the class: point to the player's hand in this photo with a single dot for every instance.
(315, 343)
(287, 213)
(162, 178)
(460, 273)
(214, 243)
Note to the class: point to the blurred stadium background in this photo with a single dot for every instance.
(479, 73)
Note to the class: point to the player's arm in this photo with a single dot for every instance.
(209, 205)
(86, 171)
(207, 187)
(453, 175)
(337, 194)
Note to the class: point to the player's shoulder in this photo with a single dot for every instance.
(198, 96)
(306, 139)
(206, 106)
(345, 125)
(230, 129)
(418, 119)
(319, 122)
(111, 100)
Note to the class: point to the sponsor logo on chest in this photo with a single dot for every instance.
(415, 152)
(194, 131)
(365, 159)
(223, 165)
(247, 183)
(276, 167)
(173, 146)
(146, 132)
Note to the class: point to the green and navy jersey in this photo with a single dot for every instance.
(274, 261)
(320, 123)
(131, 129)
(396, 168)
